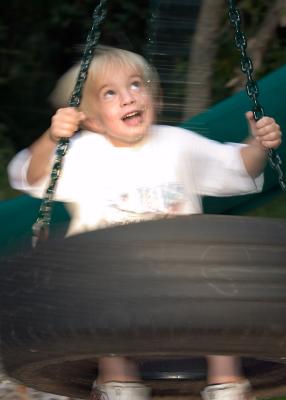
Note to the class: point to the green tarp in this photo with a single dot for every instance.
(17, 217)
(224, 122)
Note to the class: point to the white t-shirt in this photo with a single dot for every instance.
(165, 176)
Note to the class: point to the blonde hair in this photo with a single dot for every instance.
(104, 56)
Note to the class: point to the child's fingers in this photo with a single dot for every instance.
(265, 121)
(67, 127)
(269, 129)
(262, 123)
(269, 136)
(249, 115)
(272, 144)
(271, 141)
(266, 131)
(251, 122)
(71, 113)
(66, 122)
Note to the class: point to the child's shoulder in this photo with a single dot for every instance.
(174, 133)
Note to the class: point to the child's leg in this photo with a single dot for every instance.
(224, 369)
(226, 380)
(117, 369)
(118, 379)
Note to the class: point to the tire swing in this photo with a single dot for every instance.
(165, 293)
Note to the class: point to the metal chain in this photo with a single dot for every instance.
(252, 89)
(40, 228)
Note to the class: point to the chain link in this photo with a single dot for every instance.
(252, 88)
(40, 228)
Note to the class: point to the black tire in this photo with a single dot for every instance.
(173, 288)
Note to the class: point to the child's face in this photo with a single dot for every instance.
(123, 105)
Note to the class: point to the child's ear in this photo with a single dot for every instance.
(92, 124)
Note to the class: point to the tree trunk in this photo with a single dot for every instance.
(203, 50)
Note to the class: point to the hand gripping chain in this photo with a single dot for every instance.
(40, 228)
(252, 89)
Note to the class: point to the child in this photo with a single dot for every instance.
(121, 168)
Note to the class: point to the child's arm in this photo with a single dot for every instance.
(265, 134)
(64, 124)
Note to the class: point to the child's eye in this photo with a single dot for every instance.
(136, 85)
(109, 94)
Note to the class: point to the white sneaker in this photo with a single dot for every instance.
(228, 391)
(120, 391)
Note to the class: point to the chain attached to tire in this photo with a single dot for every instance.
(40, 228)
(252, 89)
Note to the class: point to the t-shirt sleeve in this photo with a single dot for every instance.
(219, 170)
(17, 174)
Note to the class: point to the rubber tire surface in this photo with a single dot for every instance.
(178, 287)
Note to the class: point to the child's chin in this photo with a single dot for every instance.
(127, 141)
(135, 138)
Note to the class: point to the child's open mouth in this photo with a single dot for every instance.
(133, 118)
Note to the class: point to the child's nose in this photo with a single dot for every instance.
(127, 97)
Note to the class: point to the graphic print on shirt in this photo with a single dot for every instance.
(166, 198)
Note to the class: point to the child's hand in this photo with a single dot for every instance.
(65, 123)
(266, 131)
